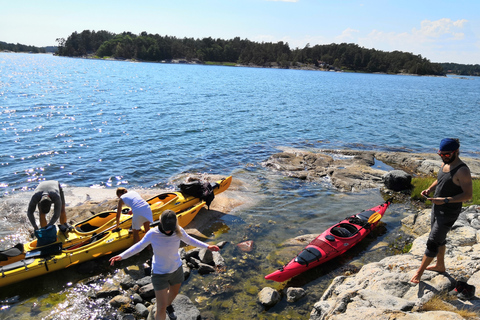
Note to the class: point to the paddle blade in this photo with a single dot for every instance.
(374, 218)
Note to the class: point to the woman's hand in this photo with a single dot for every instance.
(113, 259)
(213, 248)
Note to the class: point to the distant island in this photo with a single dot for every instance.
(347, 57)
(12, 47)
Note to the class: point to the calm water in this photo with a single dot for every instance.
(101, 124)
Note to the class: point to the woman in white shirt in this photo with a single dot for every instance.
(167, 271)
(141, 211)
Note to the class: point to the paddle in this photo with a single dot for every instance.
(95, 237)
(374, 217)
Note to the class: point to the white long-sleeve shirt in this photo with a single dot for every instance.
(166, 258)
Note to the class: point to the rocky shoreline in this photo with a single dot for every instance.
(353, 170)
(382, 290)
(379, 290)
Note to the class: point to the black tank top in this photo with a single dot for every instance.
(447, 188)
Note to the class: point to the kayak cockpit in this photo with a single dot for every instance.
(11, 252)
(344, 230)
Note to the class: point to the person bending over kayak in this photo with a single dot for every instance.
(46, 193)
(142, 213)
(452, 187)
(167, 271)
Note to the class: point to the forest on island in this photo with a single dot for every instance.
(462, 69)
(156, 48)
(153, 47)
(20, 48)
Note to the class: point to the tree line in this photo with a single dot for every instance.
(153, 47)
(20, 48)
(462, 69)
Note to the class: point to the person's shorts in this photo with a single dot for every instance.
(140, 216)
(163, 281)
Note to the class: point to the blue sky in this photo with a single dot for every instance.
(441, 31)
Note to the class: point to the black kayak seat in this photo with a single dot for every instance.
(86, 227)
(308, 255)
(11, 252)
(365, 215)
(163, 196)
(343, 230)
(103, 214)
(48, 250)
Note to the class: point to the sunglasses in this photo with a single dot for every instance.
(445, 154)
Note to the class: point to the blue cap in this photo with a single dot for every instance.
(449, 144)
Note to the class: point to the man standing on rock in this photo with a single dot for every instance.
(452, 187)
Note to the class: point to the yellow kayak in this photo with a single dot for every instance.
(59, 256)
(176, 201)
(95, 237)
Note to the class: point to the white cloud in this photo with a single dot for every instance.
(348, 35)
(432, 40)
(441, 28)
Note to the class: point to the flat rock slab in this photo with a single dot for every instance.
(353, 170)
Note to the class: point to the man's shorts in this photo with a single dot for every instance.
(163, 281)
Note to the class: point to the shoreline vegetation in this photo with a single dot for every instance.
(145, 47)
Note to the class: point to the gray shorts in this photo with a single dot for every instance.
(441, 223)
(163, 281)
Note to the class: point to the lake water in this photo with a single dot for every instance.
(100, 124)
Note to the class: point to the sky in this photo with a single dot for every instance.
(440, 30)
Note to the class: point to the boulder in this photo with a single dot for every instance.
(147, 292)
(397, 180)
(205, 256)
(218, 260)
(141, 310)
(295, 294)
(269, 297)
(119, 301)
(136, 298)
(186, 270)
(204, 268)
(127, 282)
(184, 309)
(109, 289)
(144, 281)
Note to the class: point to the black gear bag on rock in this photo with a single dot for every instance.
(198, 189)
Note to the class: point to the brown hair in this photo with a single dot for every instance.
(121, 191)
(169, 221)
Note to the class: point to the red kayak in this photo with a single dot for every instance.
(332, 243)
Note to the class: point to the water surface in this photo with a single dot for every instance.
(100, 124)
